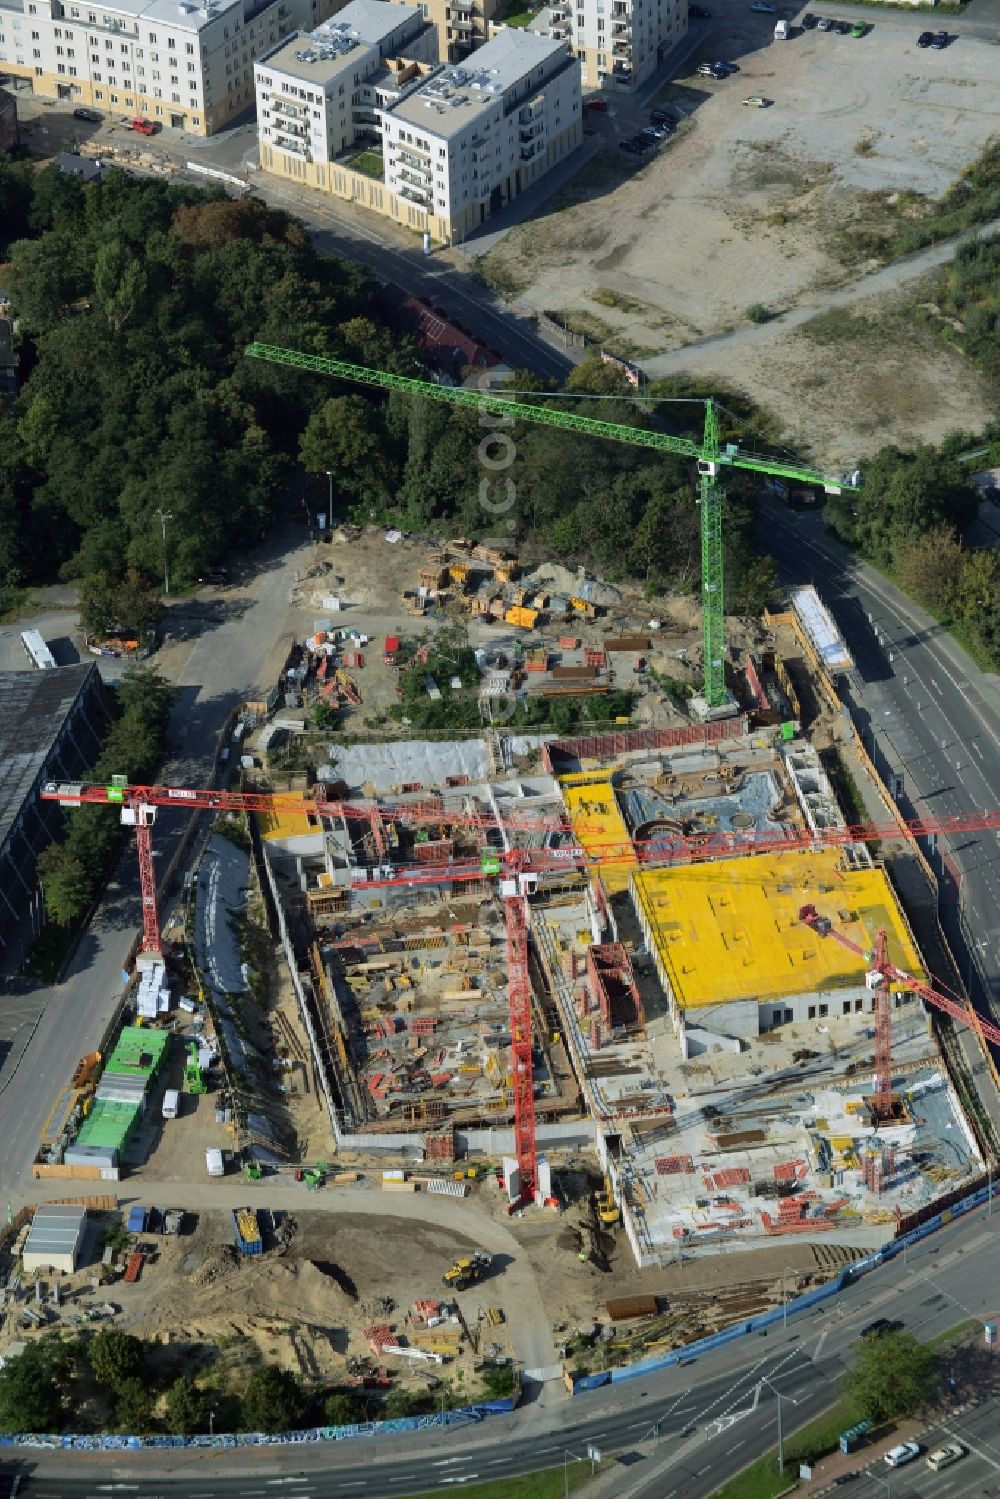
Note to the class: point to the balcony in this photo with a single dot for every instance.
(621, 47)
(286, 107)
(423, 200)
(299, 132)
(415, 162)
(528, 152)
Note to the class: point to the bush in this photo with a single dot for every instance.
(115, 1356)
(272, 1400)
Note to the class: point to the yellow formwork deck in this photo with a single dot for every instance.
(730, 930)
(287, 822)
(600, 829)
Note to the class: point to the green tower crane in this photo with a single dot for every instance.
(711, 453)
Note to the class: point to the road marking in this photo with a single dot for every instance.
(635, 1425)
(444, 1461)
(976, 748)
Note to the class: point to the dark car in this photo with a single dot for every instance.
(844, 28)
(879, 1327)
(94, 116)
(808, 21)
(628, 146)
(939, 40)
(925, 39)
(725, 68)
(662, 117)
(643, 142)
(219, 577)
(823, 23)
(699, 12)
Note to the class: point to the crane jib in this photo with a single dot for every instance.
(726, 455)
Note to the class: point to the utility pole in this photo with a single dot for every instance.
(329, 518)
(781, 1440)
(165, 515)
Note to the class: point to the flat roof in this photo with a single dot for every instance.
(730, 929)
(599, 825)
(34, 705)
(456, 95)
(55, 1229)
(317, 56)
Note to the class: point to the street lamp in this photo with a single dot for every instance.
(165, 515)
(784, 1298)
(781, 1441)
(211, 1423)
(329, 518)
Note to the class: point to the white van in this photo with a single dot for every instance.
(781, 31)
(898, 1457)
(943, 1457)
(214, 1163)
(171, 1103)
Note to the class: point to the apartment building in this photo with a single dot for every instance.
(187, 64)
(319, 95)
(618, 42)
(462, 25)
(472, 138)
(457, 141)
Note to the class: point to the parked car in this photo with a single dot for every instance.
(859, 29)
(662, 117)
(699, 13)
(600, 105)
(661, 132)
(643, 142)
(218, 578)
(925, 39)
(94, 116)
(144, 127)
(844, 27)
(939, 40)
(725, 68)
(756, 101)
(898, 1457)
(706, 69)
(762, 8)
(823, 23)
(808, 21)
(628, 145)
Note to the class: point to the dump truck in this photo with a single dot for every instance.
(468, 1270)
(246, 1231)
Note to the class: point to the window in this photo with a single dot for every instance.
(152, 37)
(98, 93)
(61, 67)
(72, 72)
(114, 97)
(96, 77)
(57, 31)
(36, 36)
(189, 47)
(95, 57)
(35, 52)
(59, 52)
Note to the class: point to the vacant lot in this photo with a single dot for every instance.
(759, 206)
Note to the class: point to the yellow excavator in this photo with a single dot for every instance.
(607, 1209)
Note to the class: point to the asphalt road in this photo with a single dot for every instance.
(49, 1029)
(714, 1415)
(930, 715)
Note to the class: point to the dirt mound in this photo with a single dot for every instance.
(219, 1263)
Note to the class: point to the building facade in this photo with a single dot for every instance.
(458, 142)
(319, 94)
(52, 727)
(462, 25)
(618, 42)
(186, 64)
(8, 120)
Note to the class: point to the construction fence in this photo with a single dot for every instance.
(469, 1415)
(847, 1277)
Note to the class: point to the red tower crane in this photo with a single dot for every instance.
(522, 1069)
(883, 971)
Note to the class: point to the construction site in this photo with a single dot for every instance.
(592, 1010)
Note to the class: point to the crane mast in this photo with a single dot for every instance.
(711, 453)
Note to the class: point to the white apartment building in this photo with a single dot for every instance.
(187, 64)
(618, 42)
(319, 94)
(474, 137)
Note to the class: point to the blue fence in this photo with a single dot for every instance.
(466, 1415)
(846, 1277)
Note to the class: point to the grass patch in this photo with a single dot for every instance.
(587, 323)
(500, 277)
(13, 603)
(762, 1479)
(369, 164)
(973, 198)
(955, 1334)
(605, 296)
(836, 326)
(553, 1483)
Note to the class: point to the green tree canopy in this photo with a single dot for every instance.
(187, 1407)
(115, 1356)
(893, 1375)
(272, 1400)
(32, 1386)
(133, 1406)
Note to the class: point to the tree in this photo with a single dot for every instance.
(67, 884)
(930, 568)
(187, 1407)
(272, 1400)
(96, 600)
(133, 1406)
(31, 1386)
(138, 605)
(115, 1356)
(342, 1408)
(893, 1375)
(346, 437)
(119, 282)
